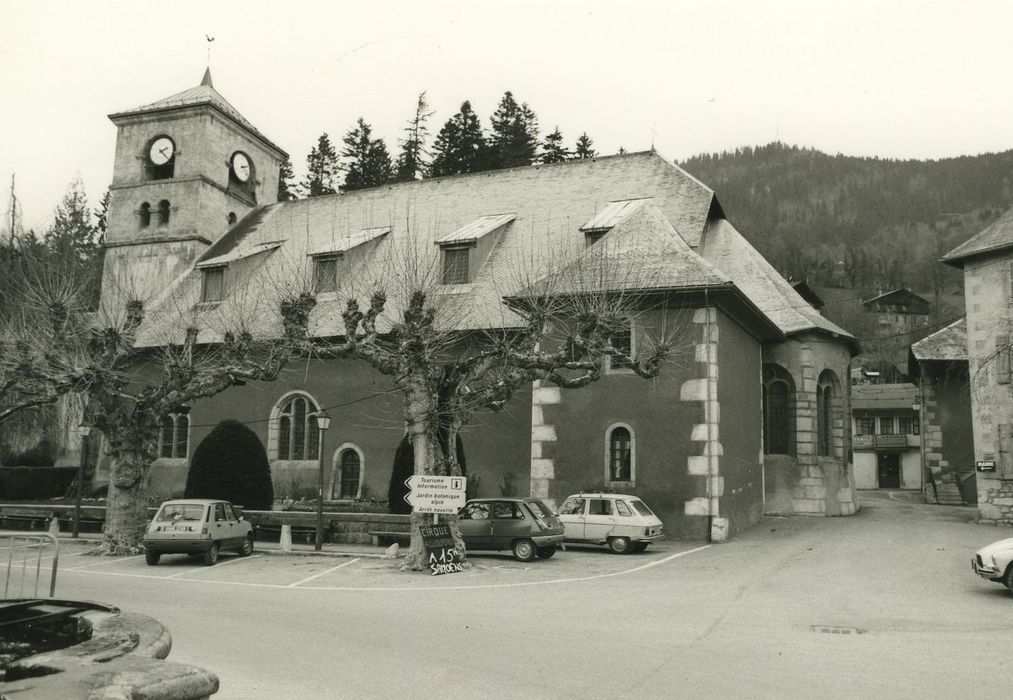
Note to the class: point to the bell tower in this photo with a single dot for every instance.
(187, 167)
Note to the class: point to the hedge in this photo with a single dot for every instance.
(35, 483)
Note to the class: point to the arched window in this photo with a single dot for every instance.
(619, 457)
(298, 436)
(351, 467)
(163, 212)
(175, 437)
(826, 398)
(778, 411)
(145, 215)
(232, 218)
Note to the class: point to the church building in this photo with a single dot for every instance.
(752, 414)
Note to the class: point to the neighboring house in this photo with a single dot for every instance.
(987, 262)
(898, 311)
(752, 413)
(938, 364)
(887, 436)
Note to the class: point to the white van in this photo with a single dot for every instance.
(624, 523)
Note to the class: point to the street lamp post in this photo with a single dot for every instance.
(323, 423)
(84, 430)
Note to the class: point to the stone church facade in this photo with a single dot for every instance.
(752, 415)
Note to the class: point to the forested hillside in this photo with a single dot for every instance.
(854, 222)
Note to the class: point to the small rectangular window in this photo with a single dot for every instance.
(325, 274)
(599, 506)
(865, 425)
(623, 342)
(213, 288)
(455, 265)
(886, 426)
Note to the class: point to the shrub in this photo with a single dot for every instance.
(35, 483)
(231, 464)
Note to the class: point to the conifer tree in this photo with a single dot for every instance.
(553, 150)
(411, 163)
(72, 234)
(585, 147)
(286, 190)
(102, 215)
(321, 167)
(514, 139)
(366, 161)
(460, 146)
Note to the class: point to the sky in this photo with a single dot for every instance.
(919, 79)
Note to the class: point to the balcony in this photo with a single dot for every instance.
(873, 442)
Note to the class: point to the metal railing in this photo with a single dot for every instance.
(25, 552)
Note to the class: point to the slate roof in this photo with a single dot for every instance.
(872, 397)
(949, 343)
(995, 237)
(664, 243)
(203, 94)
(728, 251)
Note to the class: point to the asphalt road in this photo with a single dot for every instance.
(882, 604)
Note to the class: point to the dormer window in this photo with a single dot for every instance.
(592, 237)
(613, 214)
(466, 249)
(213, 284)
(456, 268)
(325, 273)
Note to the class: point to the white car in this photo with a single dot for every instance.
(198, 527)
(995, 562)
(622, 522)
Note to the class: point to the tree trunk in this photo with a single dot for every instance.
(126, 505)
(421, 417)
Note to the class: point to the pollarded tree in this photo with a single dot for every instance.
(411, 162)
(585, 147)
(460, 146)
(321, 168)
(553, 150)
(514, 138)
(560, 331)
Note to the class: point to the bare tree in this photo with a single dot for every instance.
(558, 329)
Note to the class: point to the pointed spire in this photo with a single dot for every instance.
(207, 78)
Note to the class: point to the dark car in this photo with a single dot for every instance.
(526, 526)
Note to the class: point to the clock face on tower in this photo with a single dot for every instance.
(241, 166)
(161, 151)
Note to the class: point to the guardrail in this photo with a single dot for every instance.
(25, 554)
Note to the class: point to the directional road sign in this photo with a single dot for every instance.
(435, 494)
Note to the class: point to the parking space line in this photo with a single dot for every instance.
(206, 568)
(102, 560)
(322, 573)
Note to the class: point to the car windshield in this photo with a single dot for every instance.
(175, 512)
(539, 509)
(641, 507)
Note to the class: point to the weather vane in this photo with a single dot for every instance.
(210, 41)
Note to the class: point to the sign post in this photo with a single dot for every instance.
(438, 495)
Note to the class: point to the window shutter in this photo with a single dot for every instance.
(1002, 359)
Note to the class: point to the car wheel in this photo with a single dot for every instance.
(1007, 578)
(639, 546)
(152, 558)
(211, 556)
(546, 552)
(524, 550)
(247, 548)
(619, 545)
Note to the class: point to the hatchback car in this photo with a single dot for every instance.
(624, 523)
(526, 526)
(995, 562)
(198, 527)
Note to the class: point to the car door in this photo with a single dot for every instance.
(600, 521)
(571, 514)
(508, 524)
(221, 526)
(476, 525)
